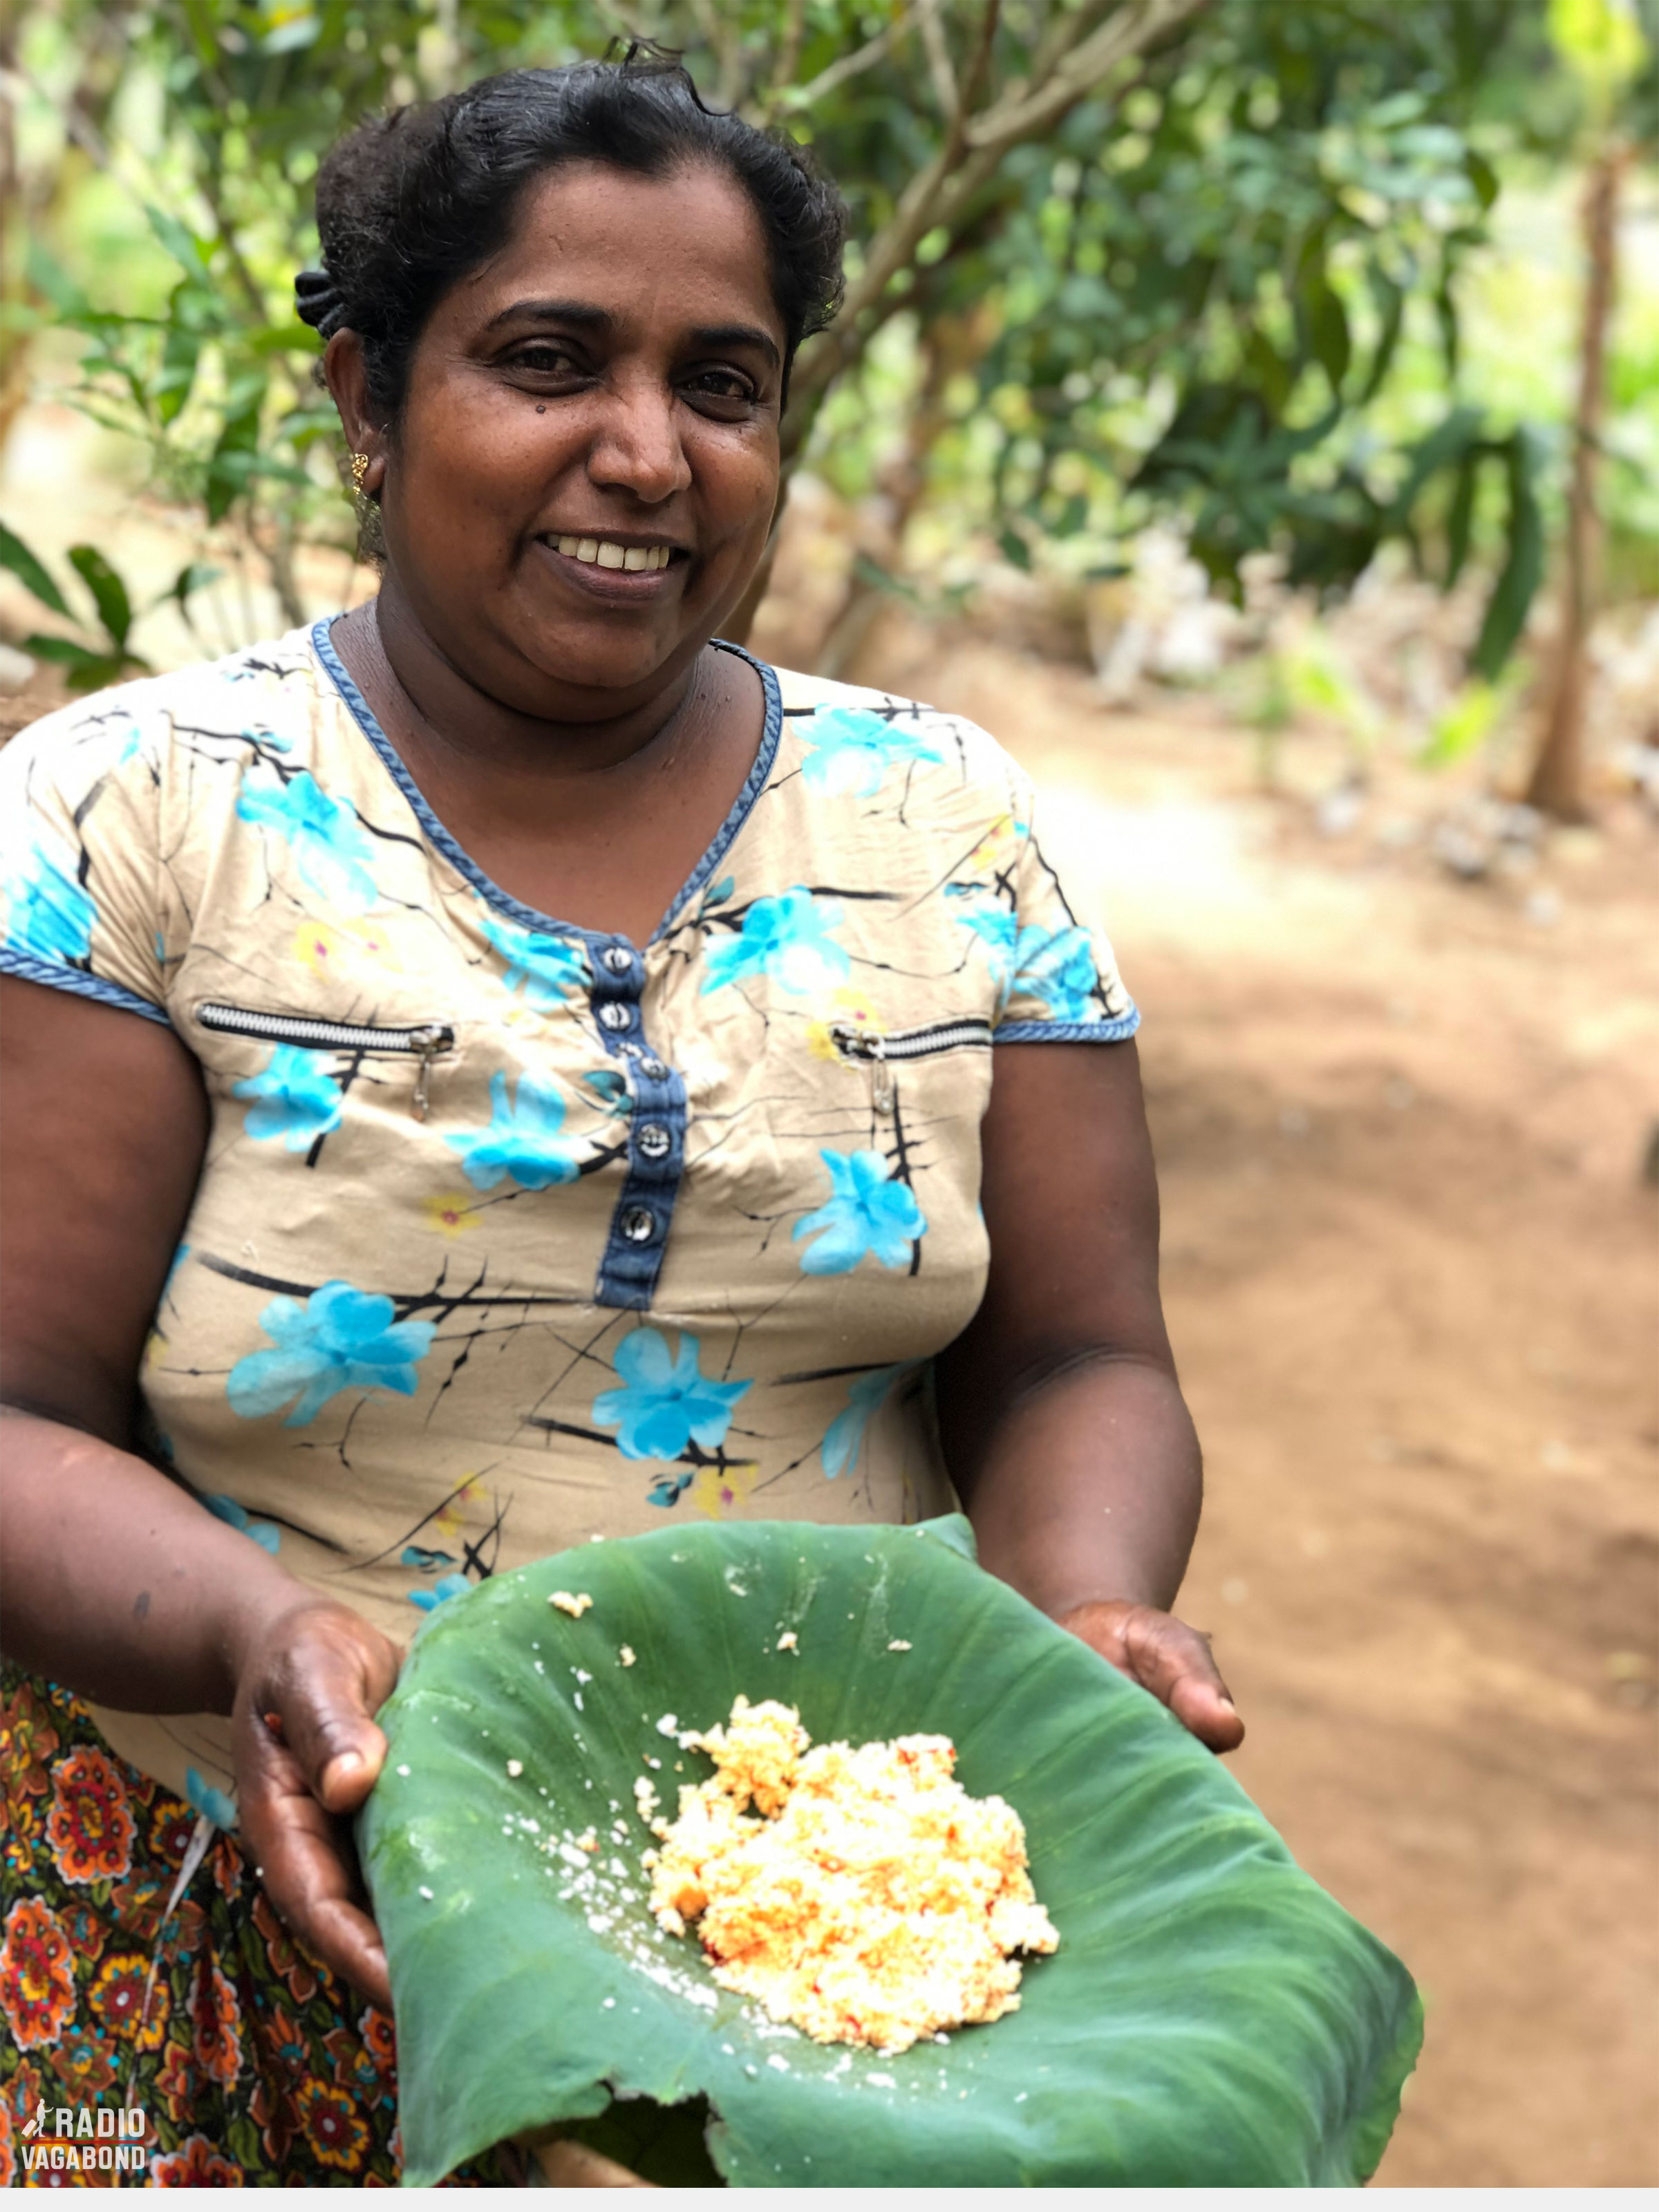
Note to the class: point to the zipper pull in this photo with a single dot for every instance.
(862, 1044)
(428, 1043)
(881, 1083)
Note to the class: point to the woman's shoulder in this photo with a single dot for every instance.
(263, 691)
(846, 731)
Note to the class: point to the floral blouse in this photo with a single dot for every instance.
(512, 1234)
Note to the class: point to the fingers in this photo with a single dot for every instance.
(567, 2165)
(1167, 1657)
(327, 1675)
(307, 1753)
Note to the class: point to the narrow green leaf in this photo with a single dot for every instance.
(1522, 570)
(195, 576)
(63, 650)
(108, 591)
(1328, 329)
(1460, 515)
(191, 253)
(1015, 548)
(16, 556)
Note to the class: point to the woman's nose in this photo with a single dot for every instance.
(638, 447)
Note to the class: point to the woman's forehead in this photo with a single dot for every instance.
(687, 244)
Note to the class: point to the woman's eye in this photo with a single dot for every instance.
(544, 361)
(725, 384)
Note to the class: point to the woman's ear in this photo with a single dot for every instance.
(346, 374)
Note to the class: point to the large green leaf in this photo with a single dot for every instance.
(1212, 2016)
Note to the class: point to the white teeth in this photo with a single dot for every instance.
(606, 553)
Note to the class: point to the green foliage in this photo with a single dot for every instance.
(1163, 256)
(88, 665)
(1212, 2017)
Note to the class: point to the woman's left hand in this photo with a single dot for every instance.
(1166, 1657)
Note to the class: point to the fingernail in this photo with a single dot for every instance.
(341, 1767)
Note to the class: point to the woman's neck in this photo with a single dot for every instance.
(431, 708)
(599, 821)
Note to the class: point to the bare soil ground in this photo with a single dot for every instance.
(1413, 1278)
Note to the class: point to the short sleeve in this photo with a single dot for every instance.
(79, 807)
(1061, 984)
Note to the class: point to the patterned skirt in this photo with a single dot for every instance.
(251, 2062)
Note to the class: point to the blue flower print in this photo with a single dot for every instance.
(666, 1404)
(329, 845)
(868, 1212)
(219, 1809)
(848, 749)
(1058, 967)
(789, 938)
(340, 1339)
(264, 1534)
(994, 925)
(49, 913)
(844, 1439)
(441, 1592)
(295, 1098)
(522, 1140)
(547, 969)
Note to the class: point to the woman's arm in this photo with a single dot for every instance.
(1062, 1420)
(113, 1580)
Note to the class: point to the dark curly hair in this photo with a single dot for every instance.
(412, 202)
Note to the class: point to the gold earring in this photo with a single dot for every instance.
(359, 469)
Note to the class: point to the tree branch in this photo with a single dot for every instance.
(862, 57)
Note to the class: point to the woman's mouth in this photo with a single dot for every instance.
(607, 553)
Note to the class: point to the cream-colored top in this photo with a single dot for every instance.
(512, 1234)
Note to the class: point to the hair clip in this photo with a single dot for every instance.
(316, 301)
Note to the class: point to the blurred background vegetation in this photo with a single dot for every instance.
(1250, 295)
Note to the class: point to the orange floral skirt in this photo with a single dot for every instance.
(249, 2060)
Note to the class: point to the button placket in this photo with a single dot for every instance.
(644, 1211)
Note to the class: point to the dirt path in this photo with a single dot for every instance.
(1413, 1285)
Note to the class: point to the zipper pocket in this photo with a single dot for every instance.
(882, 1048)
(423, 1042)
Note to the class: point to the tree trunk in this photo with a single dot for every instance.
(1557, 783)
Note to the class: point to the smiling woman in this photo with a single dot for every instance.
(503, 1066)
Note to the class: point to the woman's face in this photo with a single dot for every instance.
(585, 473)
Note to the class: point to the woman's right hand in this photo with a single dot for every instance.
(309, 1683)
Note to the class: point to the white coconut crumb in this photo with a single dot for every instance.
(581, 1674)
(515, 1768)
(1023, 2095)
(669, 1724)
(941, 2036)
(576, 1701)
(898, 1644)
(403, 1770)
(426, 1893)
(596, 1540)
(789, 1641)
(781, 2063)
(656, 1763)
(575, 1603)
(609, 2005)
(880, 2081)
(589, 1842)
(626, 1654)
